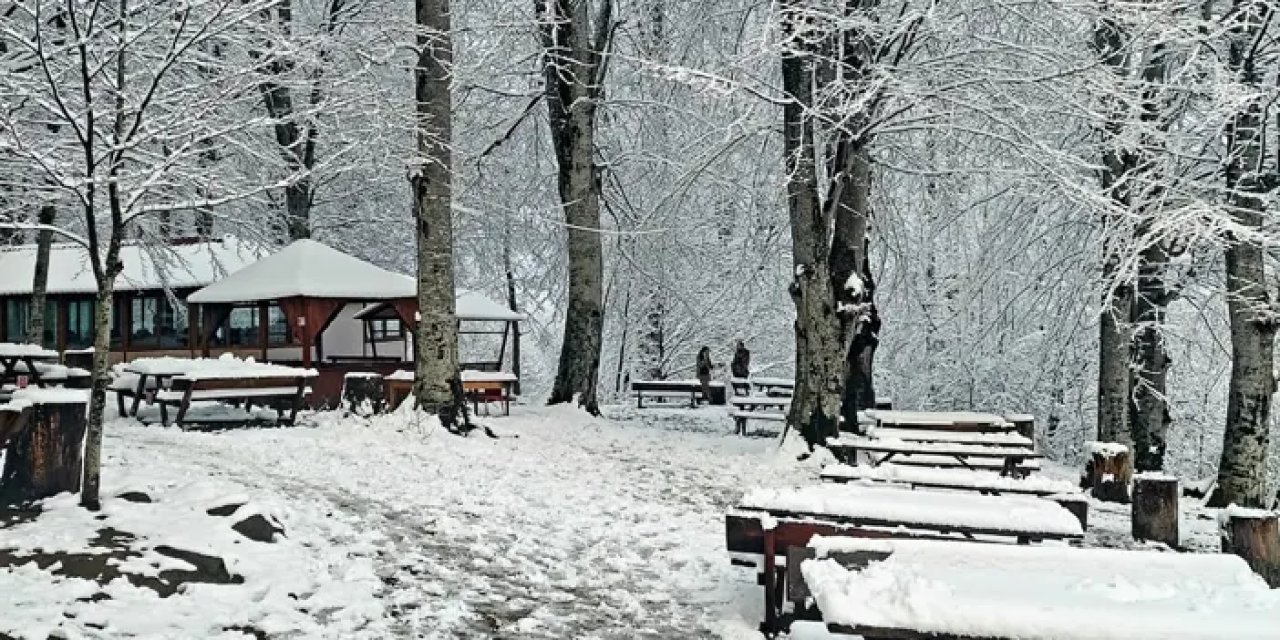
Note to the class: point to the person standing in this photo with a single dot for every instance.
(704, 372)
(740, 366)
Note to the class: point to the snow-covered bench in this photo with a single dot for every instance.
(289, 391)
(678, 389)
(771, 521)
(970, 421)
(894, 589)
(956, 479)
(770, 408)
(1010, 459)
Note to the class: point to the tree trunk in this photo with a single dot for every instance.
(1242, 471)
(45, 459)
(850, 260)
(1255, 537)
(1155, 509)
(1149, 410)
(297, 143)
(36, 320)
(511, 304)
(437, 333)
(101, 378)
(653, 339)
(574, 72)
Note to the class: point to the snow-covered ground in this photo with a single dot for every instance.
(564, 527)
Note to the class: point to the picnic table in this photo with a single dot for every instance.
(666, 389)
(743, 408)
(770, 521)
(181, 383)
(981, 481)
(19, 359)
(970, 421)
(916, 589)
(479, 386)
(1011, 459)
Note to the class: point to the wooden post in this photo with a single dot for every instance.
(47, 457)
(1155, 508)
(1108, 471)
(1253, 535)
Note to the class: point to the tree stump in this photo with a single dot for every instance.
(46, 458)
(1025, 424)
(1253, 535)
(364, 394)
(1077, 504)
(1108, 472)
(1155, 508)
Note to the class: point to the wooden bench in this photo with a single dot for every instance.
(980, 481)
(289, 390)
(1011, 460)
(668, 389)
(957, 590)
(769, 522)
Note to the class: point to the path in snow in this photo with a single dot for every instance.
(565, 527)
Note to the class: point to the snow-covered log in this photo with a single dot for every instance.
(1254, 535)
(1155, 508)
(1108, 471)
(45, 458)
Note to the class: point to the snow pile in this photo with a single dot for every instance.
(948, 477)
(1043, 592)
(300, 585)
(930, 509)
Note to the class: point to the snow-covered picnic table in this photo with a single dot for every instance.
(642, 389)
(882, 450)
(18, 359)
(479, 386)
(771, 522)
(939, 420)
(959, 479)
(177, 382)
(917, 588)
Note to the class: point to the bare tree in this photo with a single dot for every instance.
(575, 64)
(439, 386)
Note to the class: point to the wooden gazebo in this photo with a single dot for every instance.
(476, 314)
(311, 282)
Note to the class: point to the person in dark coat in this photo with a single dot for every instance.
(740, 367)
(704, 372)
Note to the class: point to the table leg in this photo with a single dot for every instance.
(32, 372)
(137, 396)
(770, 578)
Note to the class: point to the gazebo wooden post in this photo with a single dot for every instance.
(515, 353)
(306, 340)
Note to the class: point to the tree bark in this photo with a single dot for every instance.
(1242, 471)
(1156, 511)
(574, 67)
(1149, 410)
(45, 459)
(437, 333)
(40, 280)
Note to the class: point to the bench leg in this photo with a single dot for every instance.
(164, 414)
(120, 405)
(137, 395)
(180, 419)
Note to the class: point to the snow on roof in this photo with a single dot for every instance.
(1042, 592)
(471, 305)
(310, 269)
(146, 266)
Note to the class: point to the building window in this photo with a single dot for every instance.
(278, 333)
(80, 324)
(15, 321)
(386, 330)
(155, 324)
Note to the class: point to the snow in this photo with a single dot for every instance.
(472, 305)
(1105, 449)
(145, 267)
(854, 285)
(895, 417)
(24, 350)
(949, 477)
(966, 437)
(37, 395)
(922, 508)
(307, 268)
(1157, 476)
(1237, 511)
(772, 382)
(1043, 592)
(224, 366)
(467, 376)
(15, 405)
(888, 445)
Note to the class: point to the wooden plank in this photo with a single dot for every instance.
(861, 522)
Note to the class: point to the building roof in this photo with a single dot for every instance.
(308, 269)
(146, 266)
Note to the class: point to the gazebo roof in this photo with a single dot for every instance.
(308, 269)
(471, 305)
